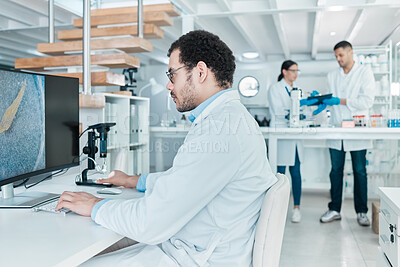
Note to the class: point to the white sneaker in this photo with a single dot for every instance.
(296, 215)
(362, 219)
(330, 216)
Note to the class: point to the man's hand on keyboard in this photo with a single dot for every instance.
(78, 202)
(120, 179)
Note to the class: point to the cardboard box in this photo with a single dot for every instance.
(376, 208)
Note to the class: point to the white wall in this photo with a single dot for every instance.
(312, 77)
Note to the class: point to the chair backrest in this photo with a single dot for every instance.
(271, 224)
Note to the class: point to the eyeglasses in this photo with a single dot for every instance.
(170, 73)
(294, 71)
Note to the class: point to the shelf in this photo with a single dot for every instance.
(170, 9)
(120, 96)
(101, 78)
(150, 31)
(112, 61)
(381, 73)
(135, 145)
(365, 50)
(124, 145)
(115, 147)
(91, 101)
(127, 44)
(157, 18)
(131, 145)
(255, 106)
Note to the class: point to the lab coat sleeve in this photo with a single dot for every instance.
(201, 169)
(365, 98)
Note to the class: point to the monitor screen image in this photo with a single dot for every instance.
(22, 125)
(39, 124)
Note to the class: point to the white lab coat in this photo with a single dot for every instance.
(279, 105)
(358, 88)
(203, 209)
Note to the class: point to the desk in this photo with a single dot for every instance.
(46, 239)
(275, 134)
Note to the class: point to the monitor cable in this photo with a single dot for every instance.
(58, 173)
(23, 183)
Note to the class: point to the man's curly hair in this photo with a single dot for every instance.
(204, 46)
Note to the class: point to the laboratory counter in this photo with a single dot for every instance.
(272, 135)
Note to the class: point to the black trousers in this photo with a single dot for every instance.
(358, 159)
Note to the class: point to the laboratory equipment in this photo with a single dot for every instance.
(39, 132)
(130, 81)
(91, 150)
(376, 121)
(257, 120)
(394, 118)
(359, 121)
(294, 116)
(265, 122)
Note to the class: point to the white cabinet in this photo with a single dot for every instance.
(128, 140)
(389, 218)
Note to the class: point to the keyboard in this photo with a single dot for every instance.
(50, 206)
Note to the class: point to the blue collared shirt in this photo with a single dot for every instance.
(199, 109)
(141, 185)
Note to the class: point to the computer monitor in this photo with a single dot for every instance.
(39, 130)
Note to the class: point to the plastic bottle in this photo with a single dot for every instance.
(265, 122)
(385, 85)
(328, 117)
(257, 120)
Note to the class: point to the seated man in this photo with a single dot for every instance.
(203, 210)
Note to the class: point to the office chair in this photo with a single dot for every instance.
(271, 224)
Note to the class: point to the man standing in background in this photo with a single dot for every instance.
(353, 89)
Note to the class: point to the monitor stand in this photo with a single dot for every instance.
(23, 200)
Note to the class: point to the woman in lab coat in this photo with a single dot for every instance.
(289, 151)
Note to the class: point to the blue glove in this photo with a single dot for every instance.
(332, 101)
(320, 108)
(306, 102)
(314, 93)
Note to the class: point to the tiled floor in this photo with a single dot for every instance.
(337, 244)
